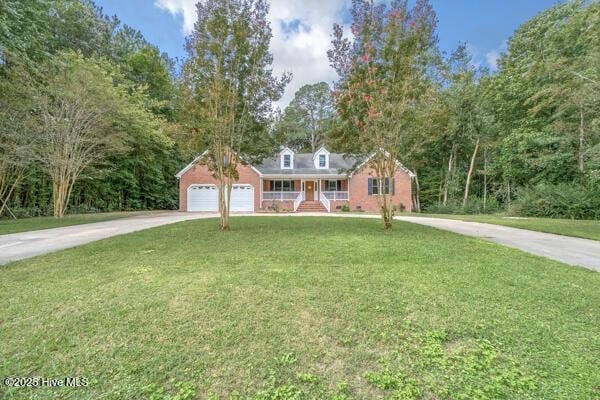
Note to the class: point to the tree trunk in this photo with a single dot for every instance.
(387, 213)
(6, 198)
(384, 168)
(417, 205)
(60, 189)
(581, 155)
(448, 177)
(485, 162)
(470, 173)
(224, 202)
(441, 189)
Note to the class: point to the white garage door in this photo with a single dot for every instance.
(203, 198)
(242, 198)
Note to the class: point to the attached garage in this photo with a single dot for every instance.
(203, 198)
(206, 198)
(199, 190)
(242, 198)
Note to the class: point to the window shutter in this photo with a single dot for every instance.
(393, 186)
(370, 186)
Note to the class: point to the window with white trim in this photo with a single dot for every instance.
(281, 186)
(334, 186)
(322, 160)
(380, 186)
(375, 186)
(287, 161)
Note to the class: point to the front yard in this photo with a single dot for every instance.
(294, 308)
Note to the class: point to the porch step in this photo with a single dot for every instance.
(311, 206)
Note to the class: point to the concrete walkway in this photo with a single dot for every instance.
(570, 250)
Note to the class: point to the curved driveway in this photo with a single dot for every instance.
(566, 249)
(569, 250)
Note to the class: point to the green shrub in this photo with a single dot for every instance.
(345, 208)
(274, 207)
(564, 200)
(400, 207)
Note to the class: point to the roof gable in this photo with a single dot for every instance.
(398, 164)
(305, 164)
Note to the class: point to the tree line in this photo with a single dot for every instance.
(93, 117)
(86, 113)
(523, 139)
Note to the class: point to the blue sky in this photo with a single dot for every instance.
(301, 29)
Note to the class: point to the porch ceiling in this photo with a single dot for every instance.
(308, 176)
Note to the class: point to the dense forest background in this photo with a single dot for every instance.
(524, 139)
(53, 35)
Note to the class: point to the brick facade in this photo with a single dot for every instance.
(199, 174)
(358, 189)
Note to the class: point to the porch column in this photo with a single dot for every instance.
(319, 193)
(348, 188)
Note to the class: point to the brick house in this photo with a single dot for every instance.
(291, 181)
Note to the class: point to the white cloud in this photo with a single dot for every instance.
(474, 53)
(492, 59)
(494, 55)
(185, 8)
(489, 58)
(301, 37)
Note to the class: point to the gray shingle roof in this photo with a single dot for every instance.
(304, 165)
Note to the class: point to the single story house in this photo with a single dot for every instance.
(320, 181)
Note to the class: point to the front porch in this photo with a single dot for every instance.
(293, 194)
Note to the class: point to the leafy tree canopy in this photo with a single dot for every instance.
(305, 122)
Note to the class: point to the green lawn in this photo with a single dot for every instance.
(588, 229)
(37, 223)
(300, 308)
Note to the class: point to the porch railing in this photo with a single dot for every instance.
(325, 201)
(335, 195)
(299, 199)
(280, 195)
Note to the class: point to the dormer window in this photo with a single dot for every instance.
(321, 158)
(287, 158)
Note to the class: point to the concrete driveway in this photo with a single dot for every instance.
(569, 250)
(17, 246)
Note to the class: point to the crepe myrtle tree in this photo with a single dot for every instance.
(384, 93)
(75, 106)
(228, 87)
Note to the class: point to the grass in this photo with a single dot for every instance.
(588, 229)
(300, 308)
(37, 223)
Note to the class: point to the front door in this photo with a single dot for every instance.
(310, 190)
